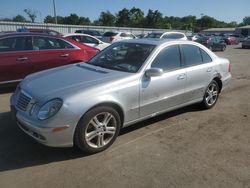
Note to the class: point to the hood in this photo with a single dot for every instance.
(72, 78)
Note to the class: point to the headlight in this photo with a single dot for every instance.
(49, 109)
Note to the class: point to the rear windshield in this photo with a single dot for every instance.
(154, 35)
(109, 34)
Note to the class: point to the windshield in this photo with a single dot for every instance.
(126, 57)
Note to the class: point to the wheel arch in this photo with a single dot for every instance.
(114, 105)
(218, 80)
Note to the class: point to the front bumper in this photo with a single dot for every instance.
(43, 131)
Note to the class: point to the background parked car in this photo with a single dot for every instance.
(88, 40)
(111, 36)
(197, 37)
(93, 33)
(40, 30)
(230, 39)
(214, 43)
(25, 53)
(167, 35)
(246, 42)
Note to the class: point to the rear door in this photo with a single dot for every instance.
(199, 70)
(14, 58)
(49, 52)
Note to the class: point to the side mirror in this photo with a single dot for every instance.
(153, 72)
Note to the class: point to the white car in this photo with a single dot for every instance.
(111, 36)
(168, 35)
(88, 40)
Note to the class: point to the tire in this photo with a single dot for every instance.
(223, 48)
(97, 129)
(210, 48)
(211, 95)
(243, 47)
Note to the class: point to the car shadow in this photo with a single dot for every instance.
(18, 150)
(9, 89)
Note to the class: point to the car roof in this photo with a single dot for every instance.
(27, 34)
(158, 42)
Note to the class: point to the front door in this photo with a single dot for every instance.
(165, 91)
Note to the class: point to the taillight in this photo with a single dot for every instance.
(229, 67)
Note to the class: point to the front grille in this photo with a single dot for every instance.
(23, 101)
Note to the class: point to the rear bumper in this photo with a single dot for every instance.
(225, 81)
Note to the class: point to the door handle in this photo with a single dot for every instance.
(64, 55)
(209, 69)
(181, 77)
(22, 59)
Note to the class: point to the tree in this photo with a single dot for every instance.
(246, 20)
(106, 19)
(49, 19)
(136, 17)
(153, 19)
(84, 21)
(19, 18)
(123, 18)
(32, 14)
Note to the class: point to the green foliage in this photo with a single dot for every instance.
(246, 20)
(19, 18)
(106, 18)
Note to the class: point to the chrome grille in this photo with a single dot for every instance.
(23, 101)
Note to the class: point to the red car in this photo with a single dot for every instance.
(25, 53)
(230, 39)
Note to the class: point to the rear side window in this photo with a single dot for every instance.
(45, 43)
(168, 59)
(205, 57)
(13, 44)
(124, 35)
(87, 39)
(191, 55)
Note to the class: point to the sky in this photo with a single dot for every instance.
(223, 10)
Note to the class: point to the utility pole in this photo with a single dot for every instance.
(54, 4)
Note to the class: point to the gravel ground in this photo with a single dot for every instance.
(185, 148)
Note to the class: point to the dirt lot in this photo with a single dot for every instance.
(184, 148)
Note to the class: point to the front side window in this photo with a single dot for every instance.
(126, 57)
(168, 59)
(13, 44)
(191, 55)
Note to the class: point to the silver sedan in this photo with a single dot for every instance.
(87, 104)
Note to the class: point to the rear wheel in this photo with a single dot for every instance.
(211, 95)
(97, 130)
(223, 48)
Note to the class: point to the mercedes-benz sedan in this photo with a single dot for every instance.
(86, 104)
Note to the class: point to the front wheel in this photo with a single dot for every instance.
(211, 95)
(97, 130)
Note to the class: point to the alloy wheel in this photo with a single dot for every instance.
(100, 130)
